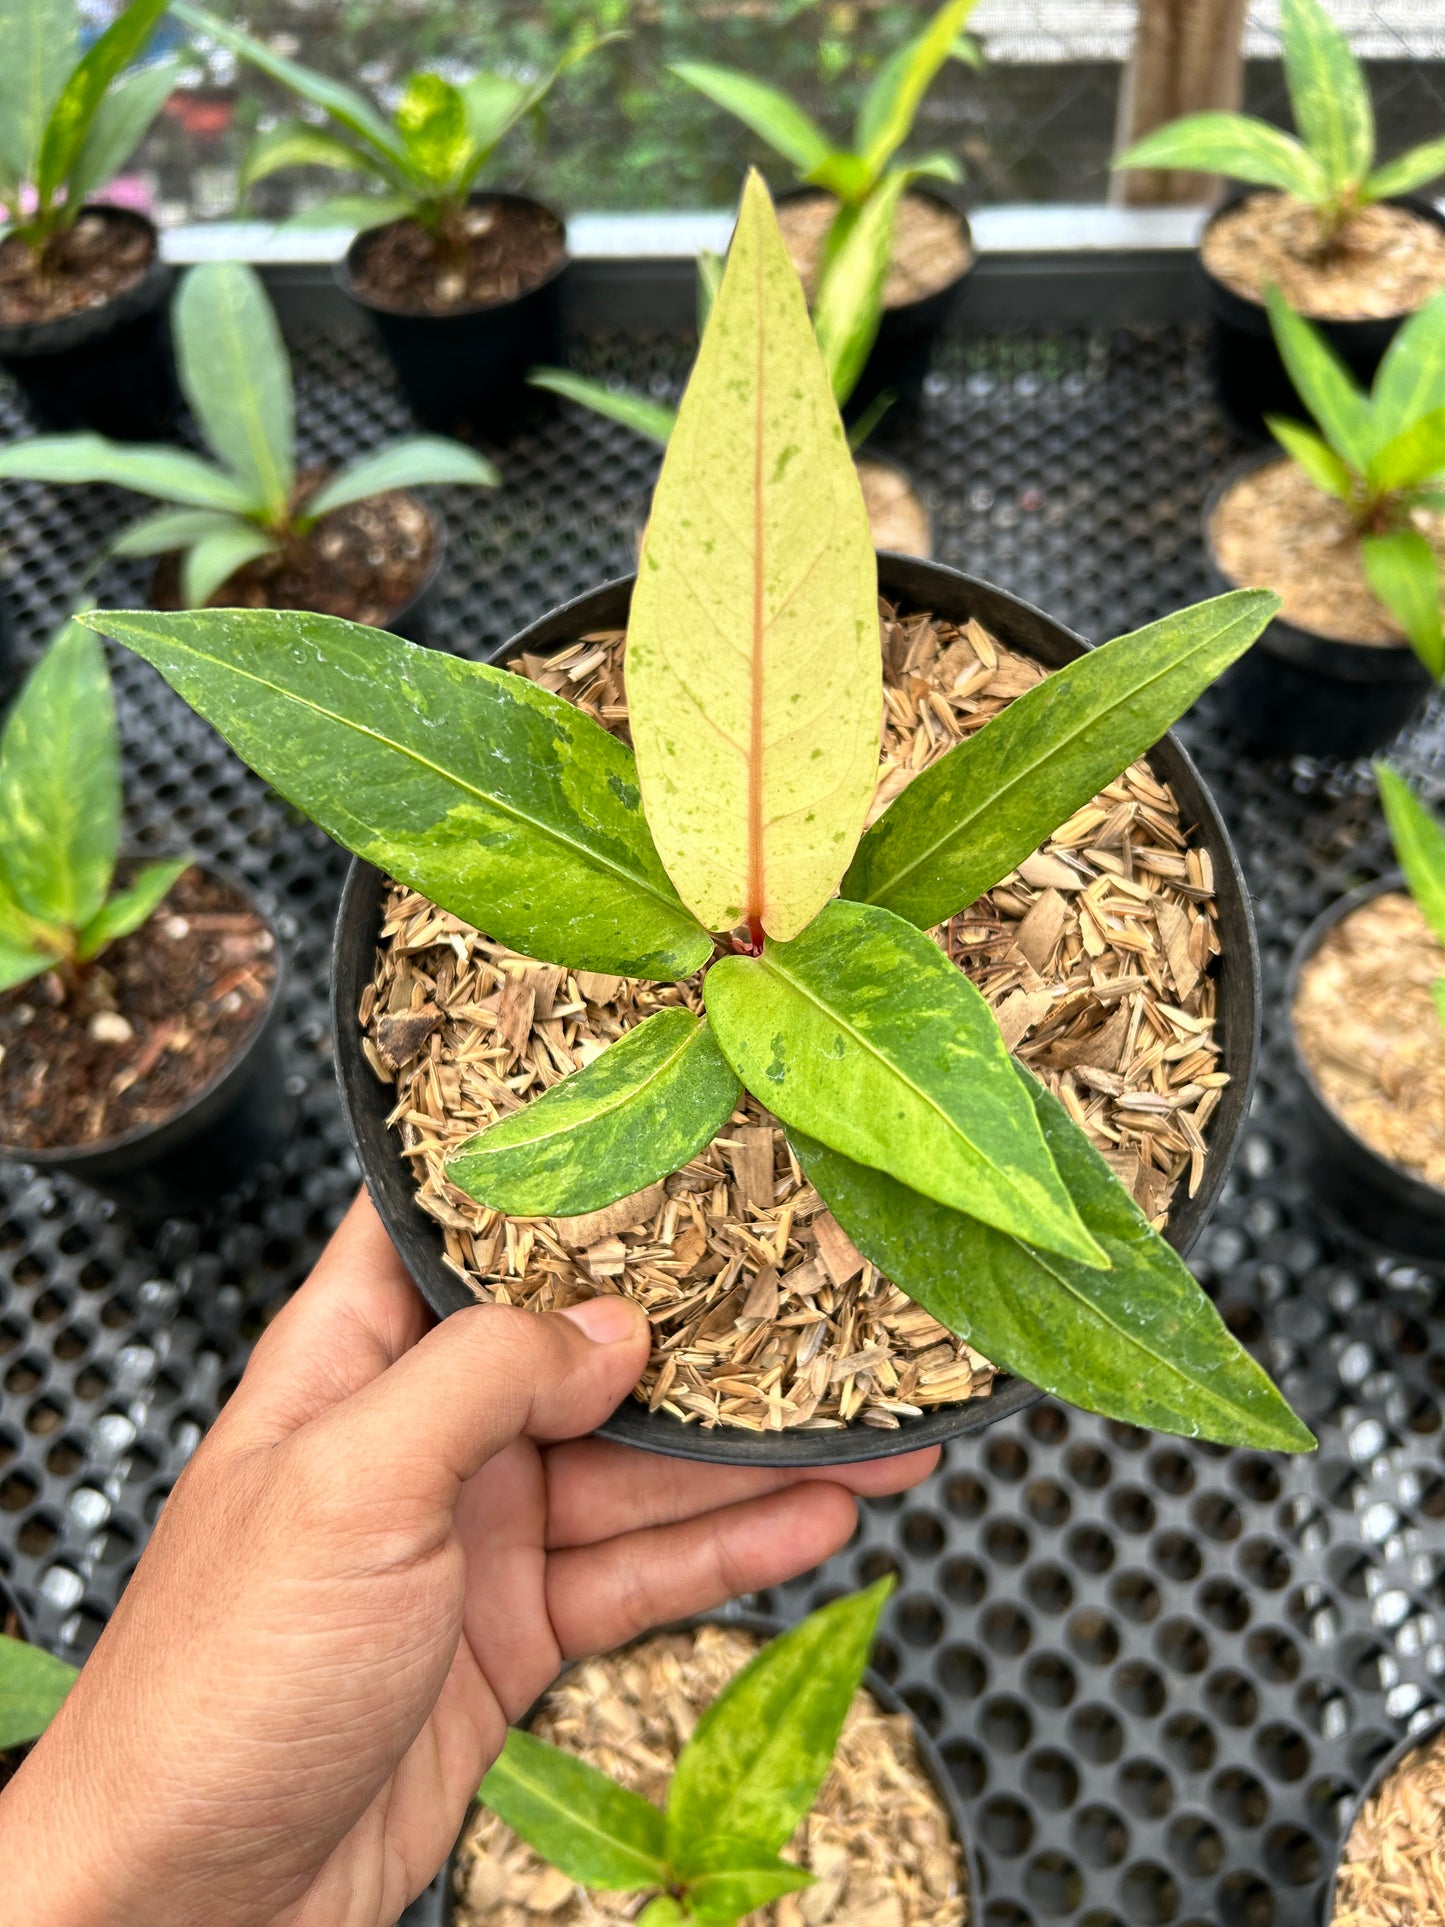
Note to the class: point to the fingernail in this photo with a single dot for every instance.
(606, 1320)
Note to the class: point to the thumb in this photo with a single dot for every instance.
(493, 1373)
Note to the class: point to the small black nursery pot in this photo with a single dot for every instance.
(367, 1102)
(446, 1912)
(185, 1161)
(1384, 1769)
(107, 368)
(1370, 1193)
(1298, 694)
(463, 371)
(1250, 379)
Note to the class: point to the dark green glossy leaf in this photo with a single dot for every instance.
(976, 814)
(1419, 846)
(118, 126)
(729, 1878)
(70, 118)
(639, 1111)
(1314, 455)
(1327, 93)
(32, 1685)
(862, 1033)
(1140, 1343)
(236, 375)
(1326, 386)
(1402, 570)
(653, 419)
(1233, 145)
(769, 113)
(128, 909)
(60, 795)
(579, 1820)
(760, 1752)
(502, 803)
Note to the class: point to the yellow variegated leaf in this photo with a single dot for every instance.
(754, 680)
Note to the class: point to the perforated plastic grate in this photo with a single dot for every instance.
(1157, 1669)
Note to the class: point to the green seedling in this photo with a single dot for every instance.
(1381, 454)
(422, 163)
(754, 685)
(60, 815)
(32, 1686)
(747, 1776)
(1419, 844)
(69, 124)
(1331, 167)
(245, 501)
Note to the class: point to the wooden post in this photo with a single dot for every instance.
(1187, 58)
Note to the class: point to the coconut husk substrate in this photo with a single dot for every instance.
(1385, 260)
(1367, 1026)
(878, 1838)
(1095, 954)
(1393, 1870)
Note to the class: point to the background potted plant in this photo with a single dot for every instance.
(1340, 235)
(534, 824)
(83, 290)
(464, 287)
(1391, 1867)
(1346, 527)
(32, 1685)
(1367, 1001)
(752, 1779)
(246, 528)
(138, 1022)
(921, 239)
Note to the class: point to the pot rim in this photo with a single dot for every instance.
(343, 271)
(767, 1626)
(924, 190)
(1409, 1743)
(1347, 661)
(418, 1240)
(1418, 204)
(63, 1155)
(1419, 1195)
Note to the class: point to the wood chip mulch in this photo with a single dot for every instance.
(1393, 1871)
(1095, 954)
(878, 1838)
(1369, 1030)
(1387, 260)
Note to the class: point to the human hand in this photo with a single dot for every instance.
(378, 1557)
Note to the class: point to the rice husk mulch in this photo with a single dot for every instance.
(1386, 260)
(1393, 1870)
(878, 1838)
(1367, 1026)
(931, 248)
(1095, 954)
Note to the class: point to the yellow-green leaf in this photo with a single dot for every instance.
(754, 676)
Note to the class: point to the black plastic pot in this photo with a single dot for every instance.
(444, 1911)
(1360, 1186)
(199, 1153)
(465, 373)
(1379, 1773)
(1249, 376)
(366, 1102)
(108, 368)
(907, 335)
(1298, 694)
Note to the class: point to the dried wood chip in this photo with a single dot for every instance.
(1038, 935)
(621, 1216)
(837, 1250)
(752, 1162)
(400, 1037)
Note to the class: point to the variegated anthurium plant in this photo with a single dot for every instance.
(748, 1774)
(1419, 842)
(422, 163)
(60, 820)
(245, 502)
(754, 684)
(1381, 454)
(69, 121)
(1332, 165)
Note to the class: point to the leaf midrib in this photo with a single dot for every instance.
(582, 1822)
(424, 762)
(605, 1109)
(263, 456)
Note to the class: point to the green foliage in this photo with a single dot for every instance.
(243, 503)
(67, 125)
(754, 673)
(1419, 844)
(60, 808)
(32, 1685)
(421, 163)
(1331, 166)
(1381, 454)
(745, 1779)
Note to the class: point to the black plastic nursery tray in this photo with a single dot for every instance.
(1157, 1669)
